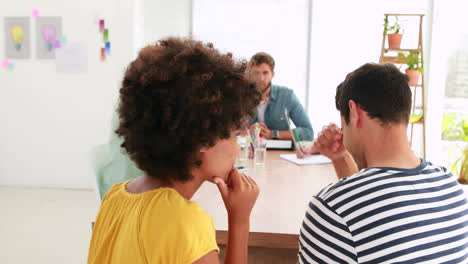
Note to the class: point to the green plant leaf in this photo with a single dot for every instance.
(391, 29)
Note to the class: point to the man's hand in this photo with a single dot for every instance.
(306, 151)
(267, 133)
(329, 142)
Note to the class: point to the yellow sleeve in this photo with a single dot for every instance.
(180, 233)
(202, 235)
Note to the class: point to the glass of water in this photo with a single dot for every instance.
(260, 152)
(244, 148)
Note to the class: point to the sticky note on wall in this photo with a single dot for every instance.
(106, 35)
(108, 47)
(103, 54)
(57, 44)
(101, 25)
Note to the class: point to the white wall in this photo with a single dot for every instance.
(246, 27)
(164, 18)
(50, 121)
(346, 35)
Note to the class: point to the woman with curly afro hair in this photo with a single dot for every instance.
(181, 105)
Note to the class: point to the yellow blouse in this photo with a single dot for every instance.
(158, 226)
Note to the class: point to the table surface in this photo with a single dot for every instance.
(285, 191)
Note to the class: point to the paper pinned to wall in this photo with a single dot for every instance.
(72, 58)
(48, 30)
(17, 37)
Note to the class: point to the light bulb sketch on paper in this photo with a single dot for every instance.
(17, 41)
(49, 34)
(17, 35)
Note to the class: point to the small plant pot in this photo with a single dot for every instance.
(462, 180)
(394, 40)
(413, 76)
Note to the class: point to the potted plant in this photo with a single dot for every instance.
(414, 64)
(393, 33)
(455, 136)
(462, 162)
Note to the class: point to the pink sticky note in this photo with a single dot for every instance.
(101, 25)
(57, 44)
(5, 63)
(35, 12)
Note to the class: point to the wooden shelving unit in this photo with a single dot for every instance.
(385, 58)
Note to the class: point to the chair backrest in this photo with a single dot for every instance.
(111, 165)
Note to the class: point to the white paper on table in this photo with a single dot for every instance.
(72, 58)
(310, 160)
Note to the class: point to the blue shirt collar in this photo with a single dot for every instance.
(273, 92)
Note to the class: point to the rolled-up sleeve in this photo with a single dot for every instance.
(300, 118)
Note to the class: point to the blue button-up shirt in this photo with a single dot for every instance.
(282, 98)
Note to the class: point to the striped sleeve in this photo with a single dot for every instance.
(325, 237)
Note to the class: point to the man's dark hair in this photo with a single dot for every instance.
(262, 57)
(381, 90)
(178, 96)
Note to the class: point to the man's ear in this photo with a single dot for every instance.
(355, 113)
(272, 74)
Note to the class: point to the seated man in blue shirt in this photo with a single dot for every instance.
(275, 98)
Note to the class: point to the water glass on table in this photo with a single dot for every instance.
(260, 152)
(244, 148)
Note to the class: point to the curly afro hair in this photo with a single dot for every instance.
(178, 96)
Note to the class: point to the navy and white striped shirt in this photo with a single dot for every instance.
(388, 215)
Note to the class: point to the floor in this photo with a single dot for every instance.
(45, 225)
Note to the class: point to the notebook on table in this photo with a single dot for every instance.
(309, 160)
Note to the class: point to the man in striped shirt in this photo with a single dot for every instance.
(397, 208)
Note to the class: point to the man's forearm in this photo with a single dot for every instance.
(238, 239)
(345, 166)
(284, 135)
